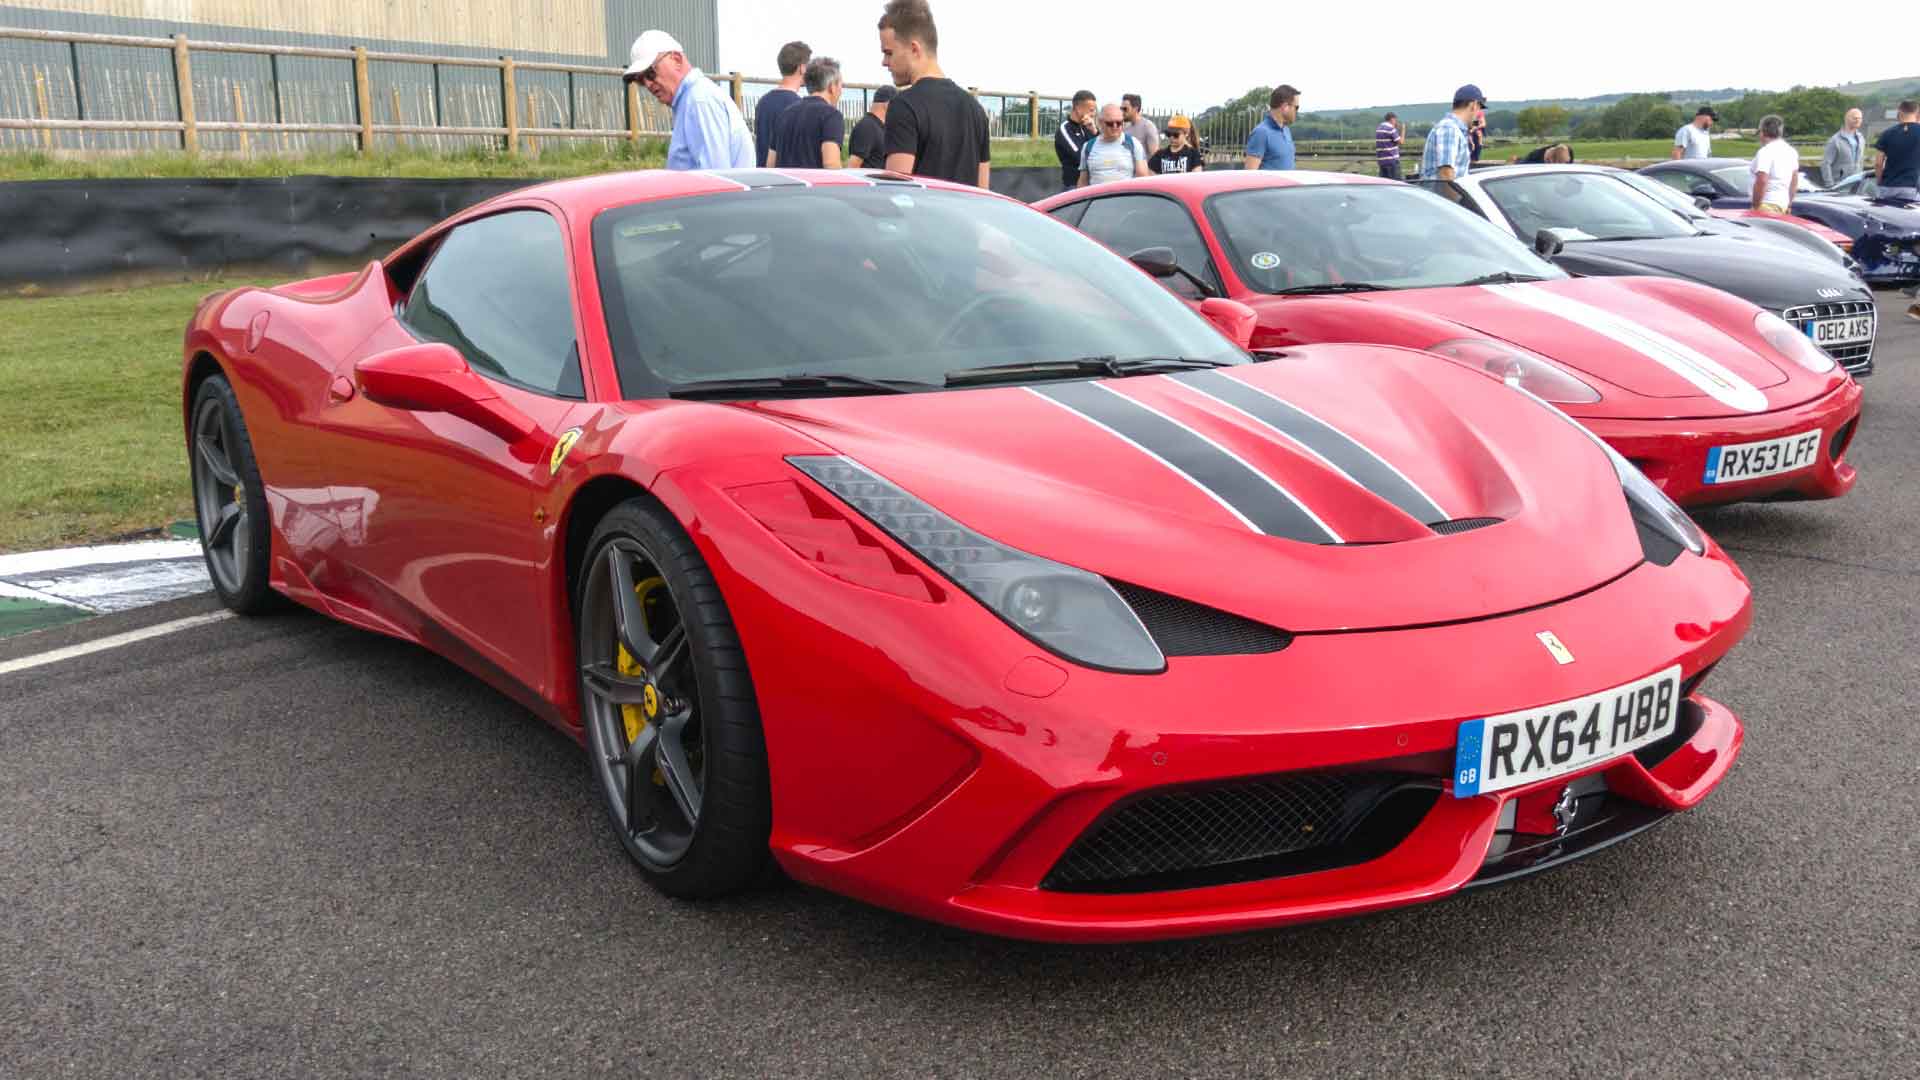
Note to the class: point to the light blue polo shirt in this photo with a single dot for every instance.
(708, 130)
(1272, 144)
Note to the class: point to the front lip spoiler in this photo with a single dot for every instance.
(1620, 819)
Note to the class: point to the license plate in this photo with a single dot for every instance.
(1499, 752)
(1851, 331)
(1769, 457)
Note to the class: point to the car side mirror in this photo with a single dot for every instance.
(1703, 202)
(434, 377)
(1232, 318)
(1703, 191)
(1547, 244)
(1158, 261)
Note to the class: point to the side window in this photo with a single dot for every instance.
(1678, 181)
(496, 289)
(1451, 192)
(1127, 223)
(1071, 213)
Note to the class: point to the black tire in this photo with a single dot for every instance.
(229, 501)
(675, 710)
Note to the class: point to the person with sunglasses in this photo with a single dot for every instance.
(708, 130)
(1177, 154)
(1112, 155)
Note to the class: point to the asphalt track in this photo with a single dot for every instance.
(285, 848)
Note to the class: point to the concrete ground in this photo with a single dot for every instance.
(283, 847)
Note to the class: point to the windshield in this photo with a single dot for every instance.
(1391, 236)
(1679, 203)
(1741, 179)
(883, 282)
(1582, 207)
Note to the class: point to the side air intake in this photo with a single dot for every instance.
(1184, 628)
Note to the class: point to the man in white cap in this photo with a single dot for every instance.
(708, 130)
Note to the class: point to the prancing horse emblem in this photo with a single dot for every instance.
(1560, 652)
(1563, 811)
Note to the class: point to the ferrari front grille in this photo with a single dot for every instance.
(1243, 831)
(1852, 357)
(1184, 628)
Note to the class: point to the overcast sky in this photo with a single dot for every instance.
(1341, 55)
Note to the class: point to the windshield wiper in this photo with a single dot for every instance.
(1503, 277)
(1334, 287)
(1085, 365)
(791, 385)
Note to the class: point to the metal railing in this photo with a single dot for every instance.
(89, 92)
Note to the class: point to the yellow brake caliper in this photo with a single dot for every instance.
(636, 717)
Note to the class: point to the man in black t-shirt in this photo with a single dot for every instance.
(808, 136)
(1898, 166)
(867, 146)
(934, 128)
(766, 112)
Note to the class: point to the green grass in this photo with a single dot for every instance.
(552, 162)
(92, 414)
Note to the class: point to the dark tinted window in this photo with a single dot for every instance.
(1127, 223)
(1678, 180)
(1070, 213)
(497, 290)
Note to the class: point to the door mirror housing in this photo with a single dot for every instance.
(1547, 244)
(434, 377)
(1232, 318)
(1703, 202)
(1158, 261)
(1701, 189)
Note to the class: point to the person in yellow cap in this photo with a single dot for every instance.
(1178, 154)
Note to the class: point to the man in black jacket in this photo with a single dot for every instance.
(1073, 134)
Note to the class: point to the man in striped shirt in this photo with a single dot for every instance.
(1386, 146)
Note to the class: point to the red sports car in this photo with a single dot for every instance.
(906, 536)
(1713, 398)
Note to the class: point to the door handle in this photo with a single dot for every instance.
(340, 390)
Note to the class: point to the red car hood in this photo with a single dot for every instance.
(1319, 523)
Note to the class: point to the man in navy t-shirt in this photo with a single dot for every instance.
(1898, 167)
(808, 135)
(766, 113)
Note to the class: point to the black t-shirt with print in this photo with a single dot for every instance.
(801, 131)
(942, 127)
(869, 142)
(1168, 160)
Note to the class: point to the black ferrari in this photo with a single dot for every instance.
(1591, 222)
(1885, 235)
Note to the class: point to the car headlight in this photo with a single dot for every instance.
(1794, 344)
(1665, 529)
(1065, 609)
(1510, 363)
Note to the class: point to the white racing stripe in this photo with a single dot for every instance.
(1712, 377)
(87, 648)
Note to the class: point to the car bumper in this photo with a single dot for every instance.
(1673, 453)
(981, 852)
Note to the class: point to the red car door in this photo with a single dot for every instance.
(438, 523)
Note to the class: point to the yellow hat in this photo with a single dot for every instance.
(1179, 121)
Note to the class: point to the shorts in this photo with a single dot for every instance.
(1899, 194)
(1771, 208)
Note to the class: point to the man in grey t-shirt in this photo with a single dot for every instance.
(1142, 129)
(1693, 140)
(1844, 150)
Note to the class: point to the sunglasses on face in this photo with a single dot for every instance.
(1113, 123)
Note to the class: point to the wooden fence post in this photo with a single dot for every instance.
(511, 104)
(633, 114)
(40, 96)
(363, 98)
(739, 100)
(1033, 114)
(183, 94)
(240, 116)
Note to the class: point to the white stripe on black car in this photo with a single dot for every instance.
(1249, 494)
(1339, 450)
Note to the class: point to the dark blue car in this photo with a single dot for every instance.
(1885, 235)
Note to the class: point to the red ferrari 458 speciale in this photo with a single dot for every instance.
(1716, 400)
(904, 536)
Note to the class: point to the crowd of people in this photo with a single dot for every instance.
(926, 124)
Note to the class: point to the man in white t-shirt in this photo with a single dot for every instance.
(1112, 155)
(1694, 140)
(1776, 168)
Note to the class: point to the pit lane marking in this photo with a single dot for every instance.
(114, 641)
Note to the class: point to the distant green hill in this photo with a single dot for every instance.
(1426, 112)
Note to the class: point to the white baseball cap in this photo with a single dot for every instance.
(649, 47)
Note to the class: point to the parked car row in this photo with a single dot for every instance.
(910, 540)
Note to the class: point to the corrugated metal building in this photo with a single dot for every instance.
(134, 83)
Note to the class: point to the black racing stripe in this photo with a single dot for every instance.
(1367, 468)
(1229, 479)
(760, 178)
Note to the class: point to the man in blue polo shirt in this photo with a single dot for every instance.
(1271, 144)
(1449, 150)
(708, 130)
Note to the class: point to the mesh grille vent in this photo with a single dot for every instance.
(1184, 628)
(1187, 830)
(1852, 356)
(1461, 525)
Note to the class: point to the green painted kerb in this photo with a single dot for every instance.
(17, 616)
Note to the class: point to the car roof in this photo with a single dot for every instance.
(1517, 169)
(1707, 164)
(591, 194)
(1197, 186)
